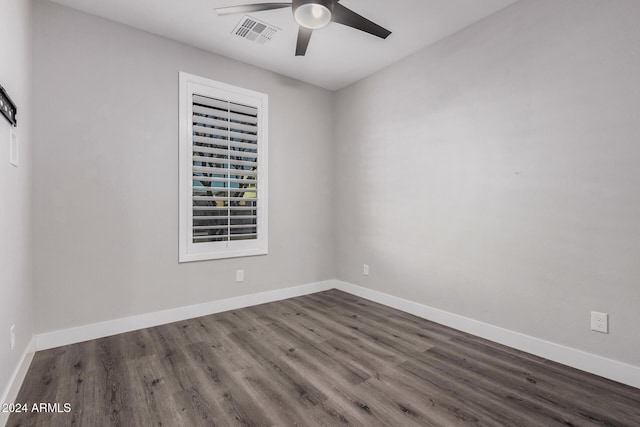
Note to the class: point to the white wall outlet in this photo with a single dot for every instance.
(365, 269)
(600, 322)
(13, 336)
(13, 147)
(239, 275)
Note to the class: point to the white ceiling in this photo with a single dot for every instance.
(337, 55)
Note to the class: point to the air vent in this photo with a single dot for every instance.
(254, 30)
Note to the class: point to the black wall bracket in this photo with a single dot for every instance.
(7, 107)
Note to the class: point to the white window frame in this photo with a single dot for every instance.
(189, 251)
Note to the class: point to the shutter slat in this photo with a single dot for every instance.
(224, 115)
(224, 133)
(211, 102)
(219, 198)
(253, 164)
(224, 208)
(221, 151)
(216, 165)
(204, 169)
(224, 171)
(223, 123)
(213, 122)
(207, 159)
(225, 189)
(243, 109)
(221, 179)
(224, 105)
(212, 238)
(222, 227)
(224, 142)
(232, 217)
(225, 161)
(243, 236)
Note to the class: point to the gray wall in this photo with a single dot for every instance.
(106, 175)
(496, 174)
(16, 293)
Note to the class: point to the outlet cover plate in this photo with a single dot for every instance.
(600, 322)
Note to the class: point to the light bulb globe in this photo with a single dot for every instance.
(312, 15)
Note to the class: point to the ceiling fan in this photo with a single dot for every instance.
(313, 15)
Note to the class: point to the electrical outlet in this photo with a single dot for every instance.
(239, 275)
(600, 322)
(13, 336)
(365, 269)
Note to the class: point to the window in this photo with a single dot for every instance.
(223, 170)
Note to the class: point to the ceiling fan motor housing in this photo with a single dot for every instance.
(313, 14)
(326, 3)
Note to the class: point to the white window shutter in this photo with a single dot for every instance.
(223, 164)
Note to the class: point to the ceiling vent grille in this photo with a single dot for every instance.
(254, 30)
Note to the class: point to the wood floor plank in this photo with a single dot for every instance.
(440, 390)
(229, 393)
(327, 359)
(151, 395)
(529, 379)
(78, 385)
(330, 375)
(401, 336)
(364, 357)
(368, 337)
(112, 385)
(497, 390)
(424, 408)
(295, 382)
(139, 344)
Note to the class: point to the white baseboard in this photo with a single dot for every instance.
(112, 327)
(592, 363)
(10, 394)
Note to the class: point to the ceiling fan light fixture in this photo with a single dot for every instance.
(312, 15)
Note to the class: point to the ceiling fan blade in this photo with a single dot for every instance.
(246, 8)
(304, 35)
(347, 17)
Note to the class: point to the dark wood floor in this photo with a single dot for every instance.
(327, 359)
